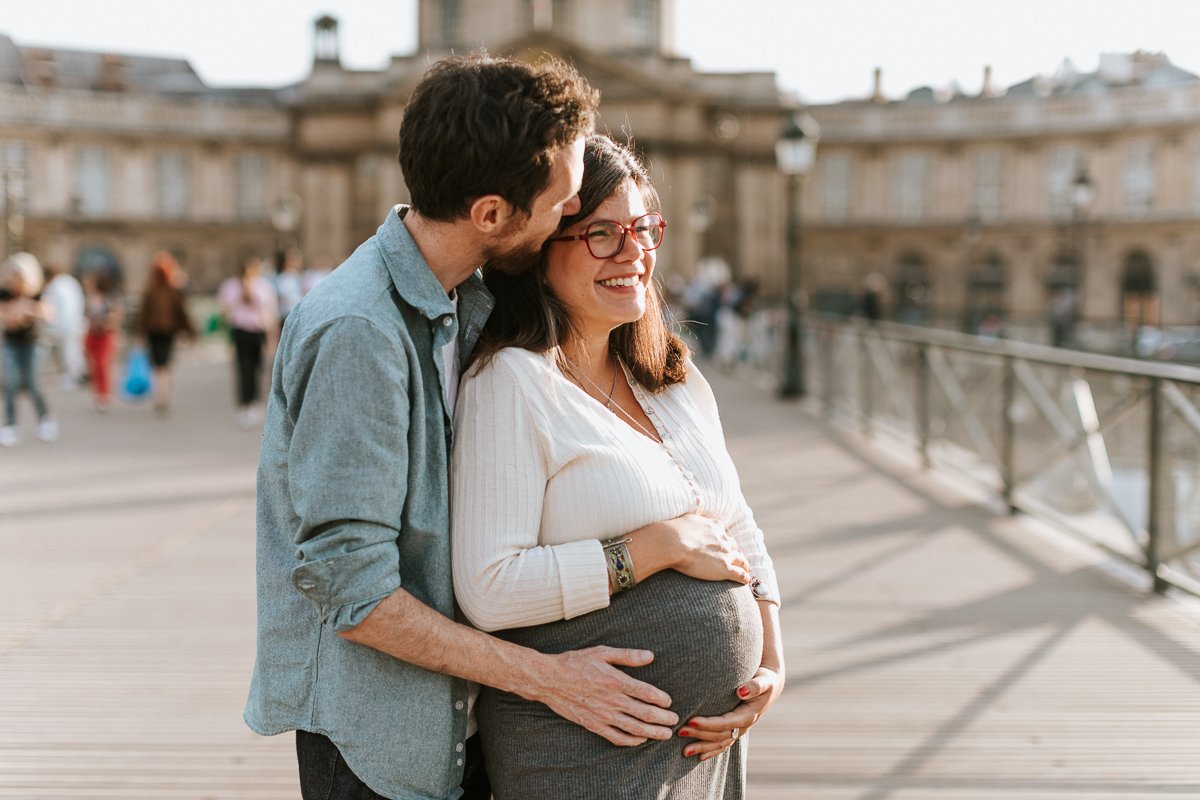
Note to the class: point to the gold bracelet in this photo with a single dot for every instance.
(620, 565)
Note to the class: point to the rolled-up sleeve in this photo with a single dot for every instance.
(347, 467)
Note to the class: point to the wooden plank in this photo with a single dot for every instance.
(935, 651)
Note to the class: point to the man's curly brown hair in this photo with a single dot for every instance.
(478, 125)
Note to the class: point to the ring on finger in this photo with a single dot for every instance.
(736, 733)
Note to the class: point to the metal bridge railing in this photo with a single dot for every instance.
(1107, 447)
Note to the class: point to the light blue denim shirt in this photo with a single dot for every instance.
(353, 503)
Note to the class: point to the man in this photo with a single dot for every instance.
(358, 651)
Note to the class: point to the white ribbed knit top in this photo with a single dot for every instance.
(542, 473)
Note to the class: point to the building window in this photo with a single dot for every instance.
(989, 185)
(1139, 292)
(1061, 170)
(642, 18)
(835, 186)
(251, 187)
(172, 185)
(1139, 179)
(987, 286)
(93, 181)
(14, 176)
(451, 19)
(912, 171)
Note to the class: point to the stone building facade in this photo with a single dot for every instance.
(105, 159)
(111, 157)
(997, 204)
(968, 206)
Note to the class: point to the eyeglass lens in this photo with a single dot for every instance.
(606, 238)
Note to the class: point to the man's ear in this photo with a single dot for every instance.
(490, 213)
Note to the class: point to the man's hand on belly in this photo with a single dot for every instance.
(584, 687)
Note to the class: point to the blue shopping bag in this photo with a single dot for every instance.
(137, 373)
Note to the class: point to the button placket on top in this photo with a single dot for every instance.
(647, 403)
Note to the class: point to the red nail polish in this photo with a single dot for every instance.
(690, 751)
(693, 723)
(742, 692)
(684, 732)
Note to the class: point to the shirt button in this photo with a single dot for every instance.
(306, 584)
(460, 762)
(458, 705)
(447, 321)
(458, 748)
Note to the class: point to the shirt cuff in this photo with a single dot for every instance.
(347, 587)
(583, 577)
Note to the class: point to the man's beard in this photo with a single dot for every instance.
(514, 259)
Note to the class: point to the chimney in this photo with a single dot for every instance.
(988, 89)
(877, 93)
(41, 68)
(325, 41)
(114, 73)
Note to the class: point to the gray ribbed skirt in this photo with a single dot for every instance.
(707, 640)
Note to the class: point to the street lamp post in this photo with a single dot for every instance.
(285, 217)
(1082, 193)
(795, 152)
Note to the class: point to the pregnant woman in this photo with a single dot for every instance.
(594, 503)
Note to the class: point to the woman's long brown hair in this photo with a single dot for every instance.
(530, 316)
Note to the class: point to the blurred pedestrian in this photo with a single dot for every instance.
(251, 312)
(104, 310)
(162, 316)
(1063, 315)
(289, 281)
(21, 309)
(64, 296)
(871, 301)
(319, 271)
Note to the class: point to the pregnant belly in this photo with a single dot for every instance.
(706, 638)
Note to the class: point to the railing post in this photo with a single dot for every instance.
(923, 404)
(864, 371)
(1008, 434)
(1155, 483)
(829, 339)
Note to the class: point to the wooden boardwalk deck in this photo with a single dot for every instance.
(937, 651)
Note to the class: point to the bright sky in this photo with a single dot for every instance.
(825, 51)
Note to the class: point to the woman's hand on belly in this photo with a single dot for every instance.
(697, 546)
(714, 735)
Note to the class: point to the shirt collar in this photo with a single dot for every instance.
(414, 280)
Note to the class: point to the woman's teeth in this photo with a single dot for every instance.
(621, 282)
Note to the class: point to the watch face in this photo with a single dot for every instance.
(759, 590)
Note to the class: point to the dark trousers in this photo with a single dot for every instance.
(325, 776)
(20, 372)
(248, 348)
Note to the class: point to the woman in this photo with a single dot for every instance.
(250, 309)
(21, 309)
(588, 457)
(103, 310)
(162, 317)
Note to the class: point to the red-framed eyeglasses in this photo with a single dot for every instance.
(606, 237)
